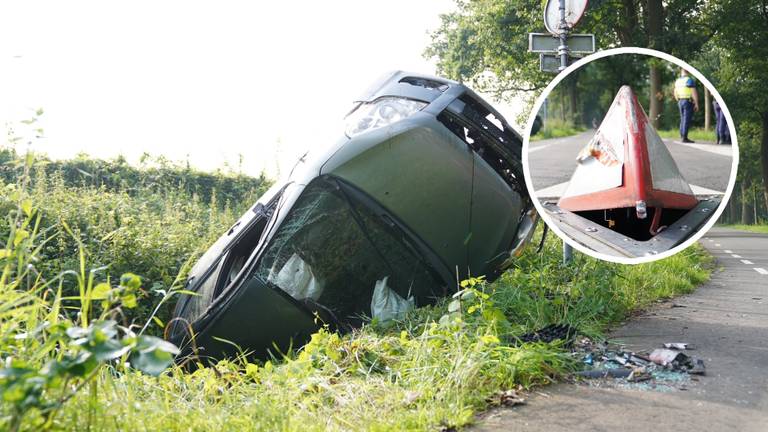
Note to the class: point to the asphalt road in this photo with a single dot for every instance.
(553, 161)
(725, 319)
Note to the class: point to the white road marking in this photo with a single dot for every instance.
(701, 190)
(534, 149)
(761, 270)
(747, 262)
(728, 251)
(717, 244)
(736, 256)
(722, 150)
(555, 191)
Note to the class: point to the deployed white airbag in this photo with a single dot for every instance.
(296, 278)
(387, 304)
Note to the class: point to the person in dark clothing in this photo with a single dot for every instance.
(721, 125)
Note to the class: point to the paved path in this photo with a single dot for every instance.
(727, 321)
(553, 161)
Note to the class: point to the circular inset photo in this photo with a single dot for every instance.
(636, 157)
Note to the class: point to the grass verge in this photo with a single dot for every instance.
(696, 134)
(432, 370)
(557, 129)
(753, 228)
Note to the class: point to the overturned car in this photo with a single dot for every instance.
(424, 187)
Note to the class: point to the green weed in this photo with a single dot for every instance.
(760, 228)
(70, 365)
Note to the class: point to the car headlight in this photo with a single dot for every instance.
(379, 113)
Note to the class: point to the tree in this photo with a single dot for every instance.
(655, 41)
(599, 81)
(741, 33)
(485, 42)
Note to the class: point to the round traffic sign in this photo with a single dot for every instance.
(574, 10)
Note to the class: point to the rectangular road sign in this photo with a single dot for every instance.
(551, 62)
(546, 43)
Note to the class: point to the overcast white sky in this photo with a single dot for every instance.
(207, 81)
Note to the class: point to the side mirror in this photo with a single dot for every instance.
(537, 124)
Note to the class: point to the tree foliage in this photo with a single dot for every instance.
(485, 42)
(738, 53)
(598, 83)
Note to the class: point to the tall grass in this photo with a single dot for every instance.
(555, 128)
(150, 228)
(52, 345)
(424, 372)
(433, 369)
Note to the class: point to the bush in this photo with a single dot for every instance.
(49, 355)
(152, 228)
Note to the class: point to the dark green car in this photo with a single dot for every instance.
(424, 187)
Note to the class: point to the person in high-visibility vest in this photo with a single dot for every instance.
(688, 102)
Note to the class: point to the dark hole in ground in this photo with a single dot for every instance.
(625, 220)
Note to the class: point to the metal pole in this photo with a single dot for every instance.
(563, 51)
(563, 48)
(567, 253)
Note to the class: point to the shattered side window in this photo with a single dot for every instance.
(509, 169)
(196, 304)
(332, 253)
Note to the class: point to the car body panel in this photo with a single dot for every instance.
(428, 185)
(496, 212)
(249, 323)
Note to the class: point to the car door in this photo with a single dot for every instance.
(496, 201)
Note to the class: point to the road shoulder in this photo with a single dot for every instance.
(726, 320)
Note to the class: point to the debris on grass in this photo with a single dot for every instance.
(667, 357)
(551, 333)
(605, 373)
(678, 346)
(507, 398)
